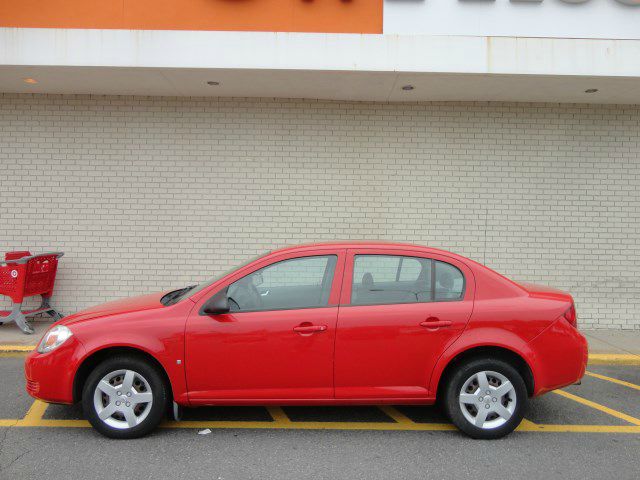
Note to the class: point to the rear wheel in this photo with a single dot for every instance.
(124, 397)
(486, 398)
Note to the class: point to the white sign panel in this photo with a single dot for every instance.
(612, 19)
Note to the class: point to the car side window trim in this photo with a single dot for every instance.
(399, 269)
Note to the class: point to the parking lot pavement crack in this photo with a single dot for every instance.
(3, 439)
(18, 457)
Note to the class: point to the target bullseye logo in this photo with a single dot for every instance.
(14, 273)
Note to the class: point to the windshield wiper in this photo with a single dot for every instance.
(175, 296)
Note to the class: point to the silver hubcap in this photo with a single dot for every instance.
(487, 399)
(123, 399)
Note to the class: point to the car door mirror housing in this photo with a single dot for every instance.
(217, 304)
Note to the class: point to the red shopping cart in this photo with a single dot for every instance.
(25, 275)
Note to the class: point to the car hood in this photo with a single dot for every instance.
(125, 305)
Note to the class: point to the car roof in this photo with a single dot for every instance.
(362, 244)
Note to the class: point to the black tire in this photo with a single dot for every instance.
(466, 371)
(153, 377)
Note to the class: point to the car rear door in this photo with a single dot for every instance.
(400, 310)
(277, 343)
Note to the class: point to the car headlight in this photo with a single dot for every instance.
(54, 338)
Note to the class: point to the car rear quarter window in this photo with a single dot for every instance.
(449, 284)
(391, 279)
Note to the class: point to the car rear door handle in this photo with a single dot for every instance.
(435, 322)
(309, 328)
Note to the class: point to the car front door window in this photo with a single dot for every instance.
(290, 284)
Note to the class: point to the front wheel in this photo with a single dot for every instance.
(486, 398)
(124, 397)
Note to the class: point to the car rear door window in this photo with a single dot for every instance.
(290, 284)
(389, 279)
(384, 279)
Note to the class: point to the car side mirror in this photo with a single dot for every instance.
(217, 304)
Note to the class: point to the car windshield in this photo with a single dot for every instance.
(177, 295)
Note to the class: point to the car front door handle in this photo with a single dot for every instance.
(309, 329)
(435, 322)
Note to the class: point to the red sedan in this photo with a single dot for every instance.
(336, 323)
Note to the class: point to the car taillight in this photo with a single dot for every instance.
(571, 316)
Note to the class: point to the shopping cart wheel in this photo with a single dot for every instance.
(22, 323)
(55, 315)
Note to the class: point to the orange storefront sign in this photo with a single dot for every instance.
(329, 16)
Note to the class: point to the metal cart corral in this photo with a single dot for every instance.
(25, 275)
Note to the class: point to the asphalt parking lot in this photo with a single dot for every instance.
(584, 431)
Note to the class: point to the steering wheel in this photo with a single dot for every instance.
(235, 307)
(256, 299)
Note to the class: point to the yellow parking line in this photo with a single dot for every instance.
(527, 425)
(278, 415)
(588, 429)
(597, 406)
(46, 422)
(35, 413)
(314, 425)
(34, 418)
(613, 380)
(376, 426)
(397, 415)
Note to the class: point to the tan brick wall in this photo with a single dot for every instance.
(146, 194)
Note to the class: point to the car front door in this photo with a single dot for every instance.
(277, 341)
(399, 312)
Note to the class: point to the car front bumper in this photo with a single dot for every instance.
(49, 376)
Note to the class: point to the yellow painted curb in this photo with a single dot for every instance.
(614, 359)
(17, 348)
